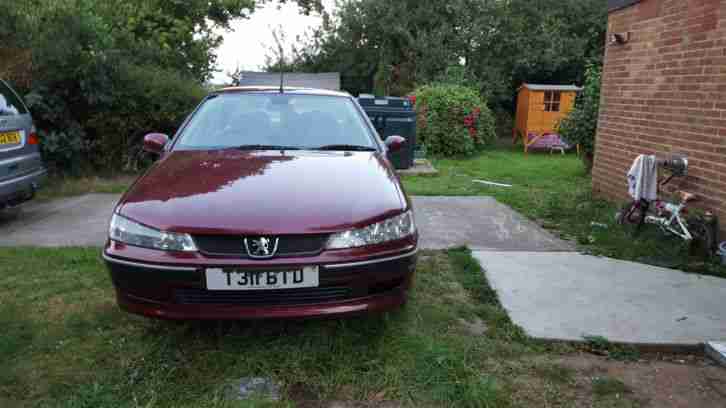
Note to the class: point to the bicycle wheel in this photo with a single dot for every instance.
(632, 217)
(704, 241)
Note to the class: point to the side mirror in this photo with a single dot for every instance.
(155, 142)
(395, 143)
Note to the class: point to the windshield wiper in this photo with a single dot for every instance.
(347, 147)
(266, 147)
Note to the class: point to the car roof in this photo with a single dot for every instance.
(288, 89)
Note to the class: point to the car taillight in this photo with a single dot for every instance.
(33, 139)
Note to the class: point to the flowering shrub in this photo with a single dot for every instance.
(453, 120)
(471, 122)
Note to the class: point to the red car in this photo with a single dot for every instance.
(265, 204)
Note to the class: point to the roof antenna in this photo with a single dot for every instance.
(282, 59)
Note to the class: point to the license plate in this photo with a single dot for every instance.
(232, 279)
(8, 138)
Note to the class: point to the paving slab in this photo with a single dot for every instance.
(76, 221)
(481, 223)
(566, 296)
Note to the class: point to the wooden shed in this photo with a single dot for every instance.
(539, 109)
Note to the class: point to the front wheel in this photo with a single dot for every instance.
(704, 241)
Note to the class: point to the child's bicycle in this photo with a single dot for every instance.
(671, 217)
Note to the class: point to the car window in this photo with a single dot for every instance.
(10, 104)
(303, 121)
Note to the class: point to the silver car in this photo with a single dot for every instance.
(21, 168)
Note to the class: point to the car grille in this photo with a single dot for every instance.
(288, 246)
(299, 296)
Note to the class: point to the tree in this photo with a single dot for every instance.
(580, 126)
(500, 43)
(370, 37)
(543, 41)
(103, 73)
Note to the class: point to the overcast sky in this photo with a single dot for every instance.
(247, 45)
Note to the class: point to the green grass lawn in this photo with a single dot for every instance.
(65, 343)
(555, 191)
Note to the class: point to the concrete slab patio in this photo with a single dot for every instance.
(566, 296)
(480, 222)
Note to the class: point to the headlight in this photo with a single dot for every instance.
(124, 230)
(391, 229)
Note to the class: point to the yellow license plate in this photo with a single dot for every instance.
(8, 138)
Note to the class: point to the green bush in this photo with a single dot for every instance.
(96, 91)
(453, 120)
(101, 123)
(98, 75)
(62, 139)
(580, 126)
(504, 123)
(146, 99)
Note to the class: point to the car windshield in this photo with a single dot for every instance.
(259, 121)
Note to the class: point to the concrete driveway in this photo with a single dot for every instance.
(479, 222)
(77, 221)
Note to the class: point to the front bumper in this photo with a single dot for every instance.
(351, 285)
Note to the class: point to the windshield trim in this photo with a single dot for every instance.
(376, 142)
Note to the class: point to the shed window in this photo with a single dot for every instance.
(552, 101)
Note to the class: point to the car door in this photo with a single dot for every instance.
(19, 152)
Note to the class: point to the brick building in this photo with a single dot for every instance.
(663, 92)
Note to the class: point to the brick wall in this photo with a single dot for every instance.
(664, 92)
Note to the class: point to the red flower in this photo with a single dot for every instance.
(470, 122)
